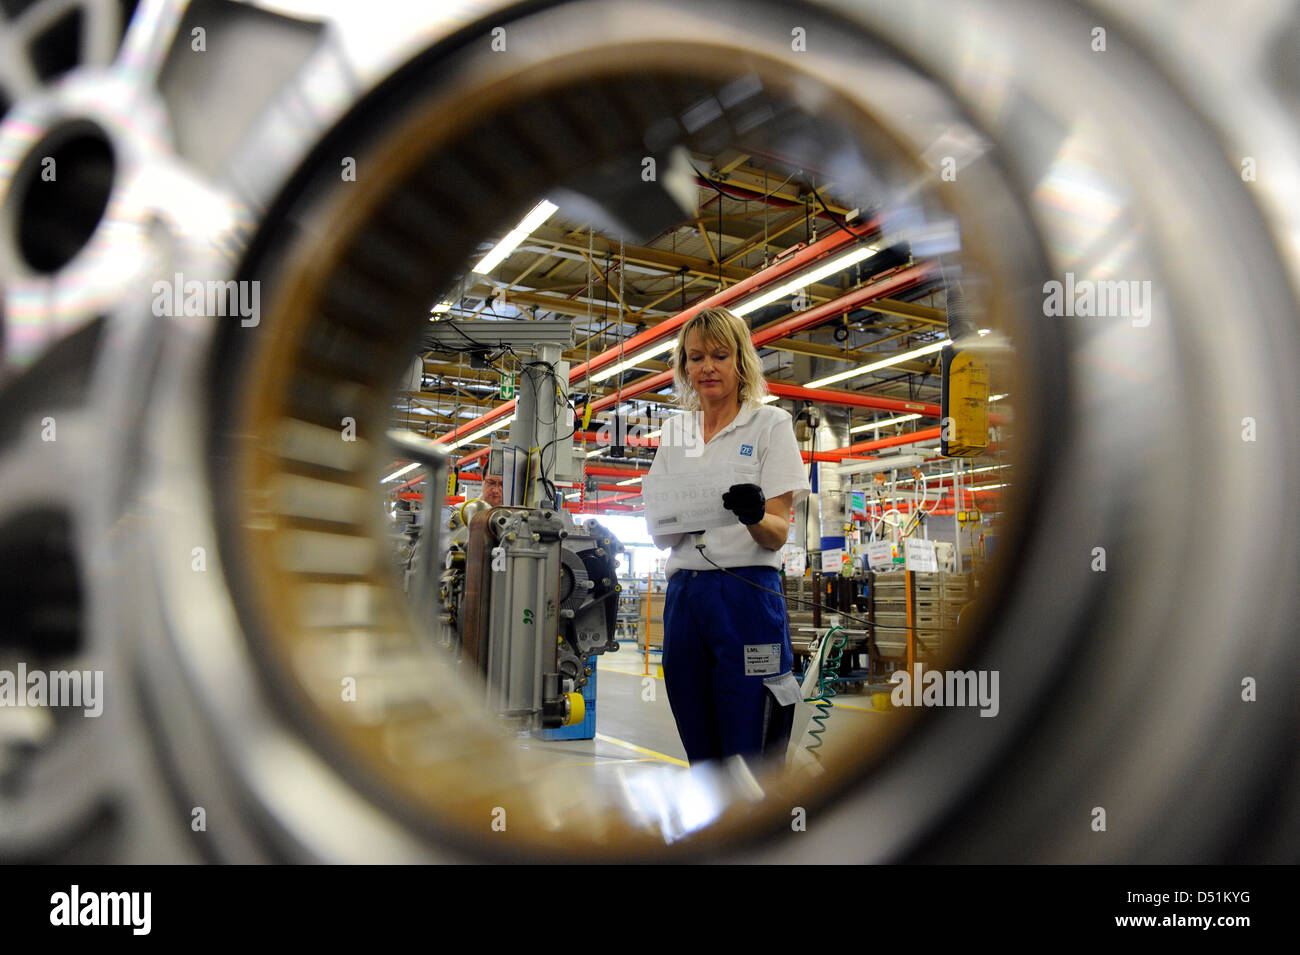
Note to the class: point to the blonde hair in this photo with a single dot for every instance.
(717, 326)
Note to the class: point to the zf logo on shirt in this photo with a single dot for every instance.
(747, 450)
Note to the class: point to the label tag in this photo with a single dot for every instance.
(762, 659)
(920, 556)
(880, 555)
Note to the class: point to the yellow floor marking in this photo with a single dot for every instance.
(641, 749)
(607, 761)
(860, 709)
(605, 668)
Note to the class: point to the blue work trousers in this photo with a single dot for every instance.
(722, 638)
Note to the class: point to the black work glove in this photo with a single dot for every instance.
(746, 501)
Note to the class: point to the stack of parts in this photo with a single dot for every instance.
(937, 600)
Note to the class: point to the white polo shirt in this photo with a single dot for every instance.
(759, 447)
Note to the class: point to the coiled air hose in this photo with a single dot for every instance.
(830, 672)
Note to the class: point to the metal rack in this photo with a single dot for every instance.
(628, 624)
(937, 601)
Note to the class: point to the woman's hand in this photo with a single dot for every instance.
(771, 532)
(746, 501)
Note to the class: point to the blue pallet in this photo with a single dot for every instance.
(587, 728)
(584, 730)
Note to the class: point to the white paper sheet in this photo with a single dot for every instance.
(686, 502)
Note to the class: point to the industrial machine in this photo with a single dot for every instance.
(527, 598)
(525, 595)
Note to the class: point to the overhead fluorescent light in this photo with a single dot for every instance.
(804, 279)
(871, 465)
(539, 214)
(884, 424)
(600, 450)
(494, 426)
(400, 471)
(627, 482)
(998, 397)
(947, 475)
(769, 399)
(440, 308)
(883, 363)
(651, 352)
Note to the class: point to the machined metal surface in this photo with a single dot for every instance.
(225, 612)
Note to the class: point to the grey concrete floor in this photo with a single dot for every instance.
(635, 724)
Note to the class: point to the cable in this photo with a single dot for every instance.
(481, 346)
(830, 672)
(745, 197)
(555, 380)
(830, 215)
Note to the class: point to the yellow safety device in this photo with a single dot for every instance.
(577, 709)
(967, 405)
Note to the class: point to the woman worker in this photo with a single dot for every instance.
(726, 654)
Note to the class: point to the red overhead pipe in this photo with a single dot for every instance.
(794, 262)
(472, 456)
(500, 411)
(615, 499)
(831, 396)
(892, 282)
(832, 455)
(895, 282)
(630, 440)
(839, 454)
(602, 470)
(833, 242)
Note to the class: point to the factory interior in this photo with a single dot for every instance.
(857, 336)
(358, 334)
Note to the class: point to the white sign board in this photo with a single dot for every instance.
(796, 560)
(880, 555)
(832, 560)
(919, 556)
(682, 503)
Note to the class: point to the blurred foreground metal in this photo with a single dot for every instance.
(156, 533)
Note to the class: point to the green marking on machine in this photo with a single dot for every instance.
(528, 616)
